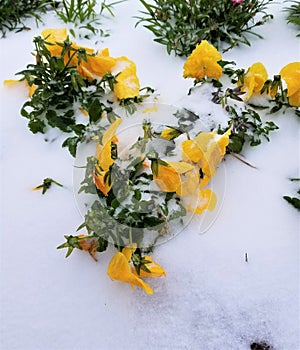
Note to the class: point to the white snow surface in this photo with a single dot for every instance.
(211, 298)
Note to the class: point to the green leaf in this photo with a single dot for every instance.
(71, 143)
(36, 125)
(295, 202)
(95, 110)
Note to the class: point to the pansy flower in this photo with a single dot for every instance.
(291, 74)
(120, 269)
(254, 80)
(206, 150)
(128, 85)
(97, 64)
(203, 62)
(169, 176)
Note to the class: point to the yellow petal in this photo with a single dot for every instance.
(11, 81)
(97, 66)
(128, 250)
(254, 79)
(111, 131)
(155, 269)
(128, 85)
(119, 269)
(214, 153)
(189, 183)
(54, 36)
(203, 62)
(294, 100)
(167, 178)
(191, 151)
(291, 74)
(181, 167)
(104, 156)
(207, 200)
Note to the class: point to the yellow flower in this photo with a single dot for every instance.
(291, 74)
(207, 150)
(203, 62)
(168, 177)
(120, 269)
(254, 79)
(97, 66)
(128, 85)
(54, 36)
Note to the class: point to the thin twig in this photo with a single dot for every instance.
(242, 160)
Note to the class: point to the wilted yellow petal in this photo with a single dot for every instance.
(214, 153)
(207, 200)
(254, 79)
(191, 151)
(181, 167)
(11, 81)
(149, 110)
(128, 250)
(189, 183)
(128, 85)
(111, 131)
(155, 269)
(167, 178)
(97, 66)
(54, 36)
(119, 269)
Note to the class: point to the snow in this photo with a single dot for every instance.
(211, 298)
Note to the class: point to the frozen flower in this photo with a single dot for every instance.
(120, 269)
(254, 80)
(207, 150)
(155, 270)
(98, 65)
(291, 74)
(203, 62)
(168, 176)
(53, 37)
(128, 85)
